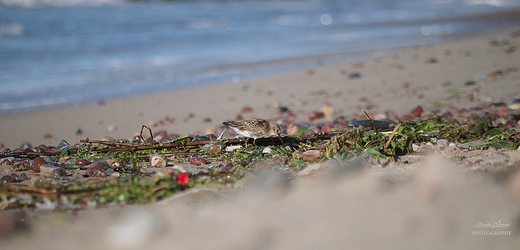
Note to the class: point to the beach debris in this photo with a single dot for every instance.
(36, 163)
(169, 119)
(326, 128)
(432, 60)
(157, 161)
(233, 148)
(355, 75)
(177, 168)
(80, 162)
(158, 134)
(315, 115)
(134, 177)
(198, 161)
(212, 148)
(63, 145)
(417, 111)
(7, 179)
(515, 105)
(327, 109)
(311, 155)
(283, 109)
(267, 150)
(96, 170)
(247, 109)
(20, 165)
(52, 171)
(183, 178)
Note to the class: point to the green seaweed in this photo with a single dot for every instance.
(134, 185)
(355, 140)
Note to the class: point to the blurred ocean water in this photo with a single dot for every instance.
(64, 52)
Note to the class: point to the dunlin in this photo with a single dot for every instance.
(254, 128)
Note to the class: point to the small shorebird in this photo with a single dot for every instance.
(254, 128)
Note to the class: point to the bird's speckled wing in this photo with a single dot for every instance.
(247, 124)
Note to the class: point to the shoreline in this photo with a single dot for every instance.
(436, 76)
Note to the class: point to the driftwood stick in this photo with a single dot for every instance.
(194, 144)
(114, 146)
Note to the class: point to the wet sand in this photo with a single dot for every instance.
(471, 71)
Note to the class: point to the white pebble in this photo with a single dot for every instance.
(157, 161)
(233, 148)
(267, 150)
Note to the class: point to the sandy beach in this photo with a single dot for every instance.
(471, 71)
(418, 202)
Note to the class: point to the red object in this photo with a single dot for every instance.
(416, 112)
(326, 128)
(183, 178)
(315, 115)
(198, 161)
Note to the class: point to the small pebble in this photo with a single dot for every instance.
(232, 148)
(160, 133)
(311, 155)
(7, 179)
(36, 163)
(283, 109)
(96, 170)
(326, 128)
(315, 115)
(21, 165)
(198, 161)
(157, 161)
(82, 162)
(52, 171)
(442, 143)
(169, 119)
(213, 148)
(293, 129)
(247, 109)
(354, 76)
(267, 150)
(327, 109)
(416, 112)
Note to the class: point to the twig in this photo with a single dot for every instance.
(149, 130)
(373, 123)
(391, 137)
